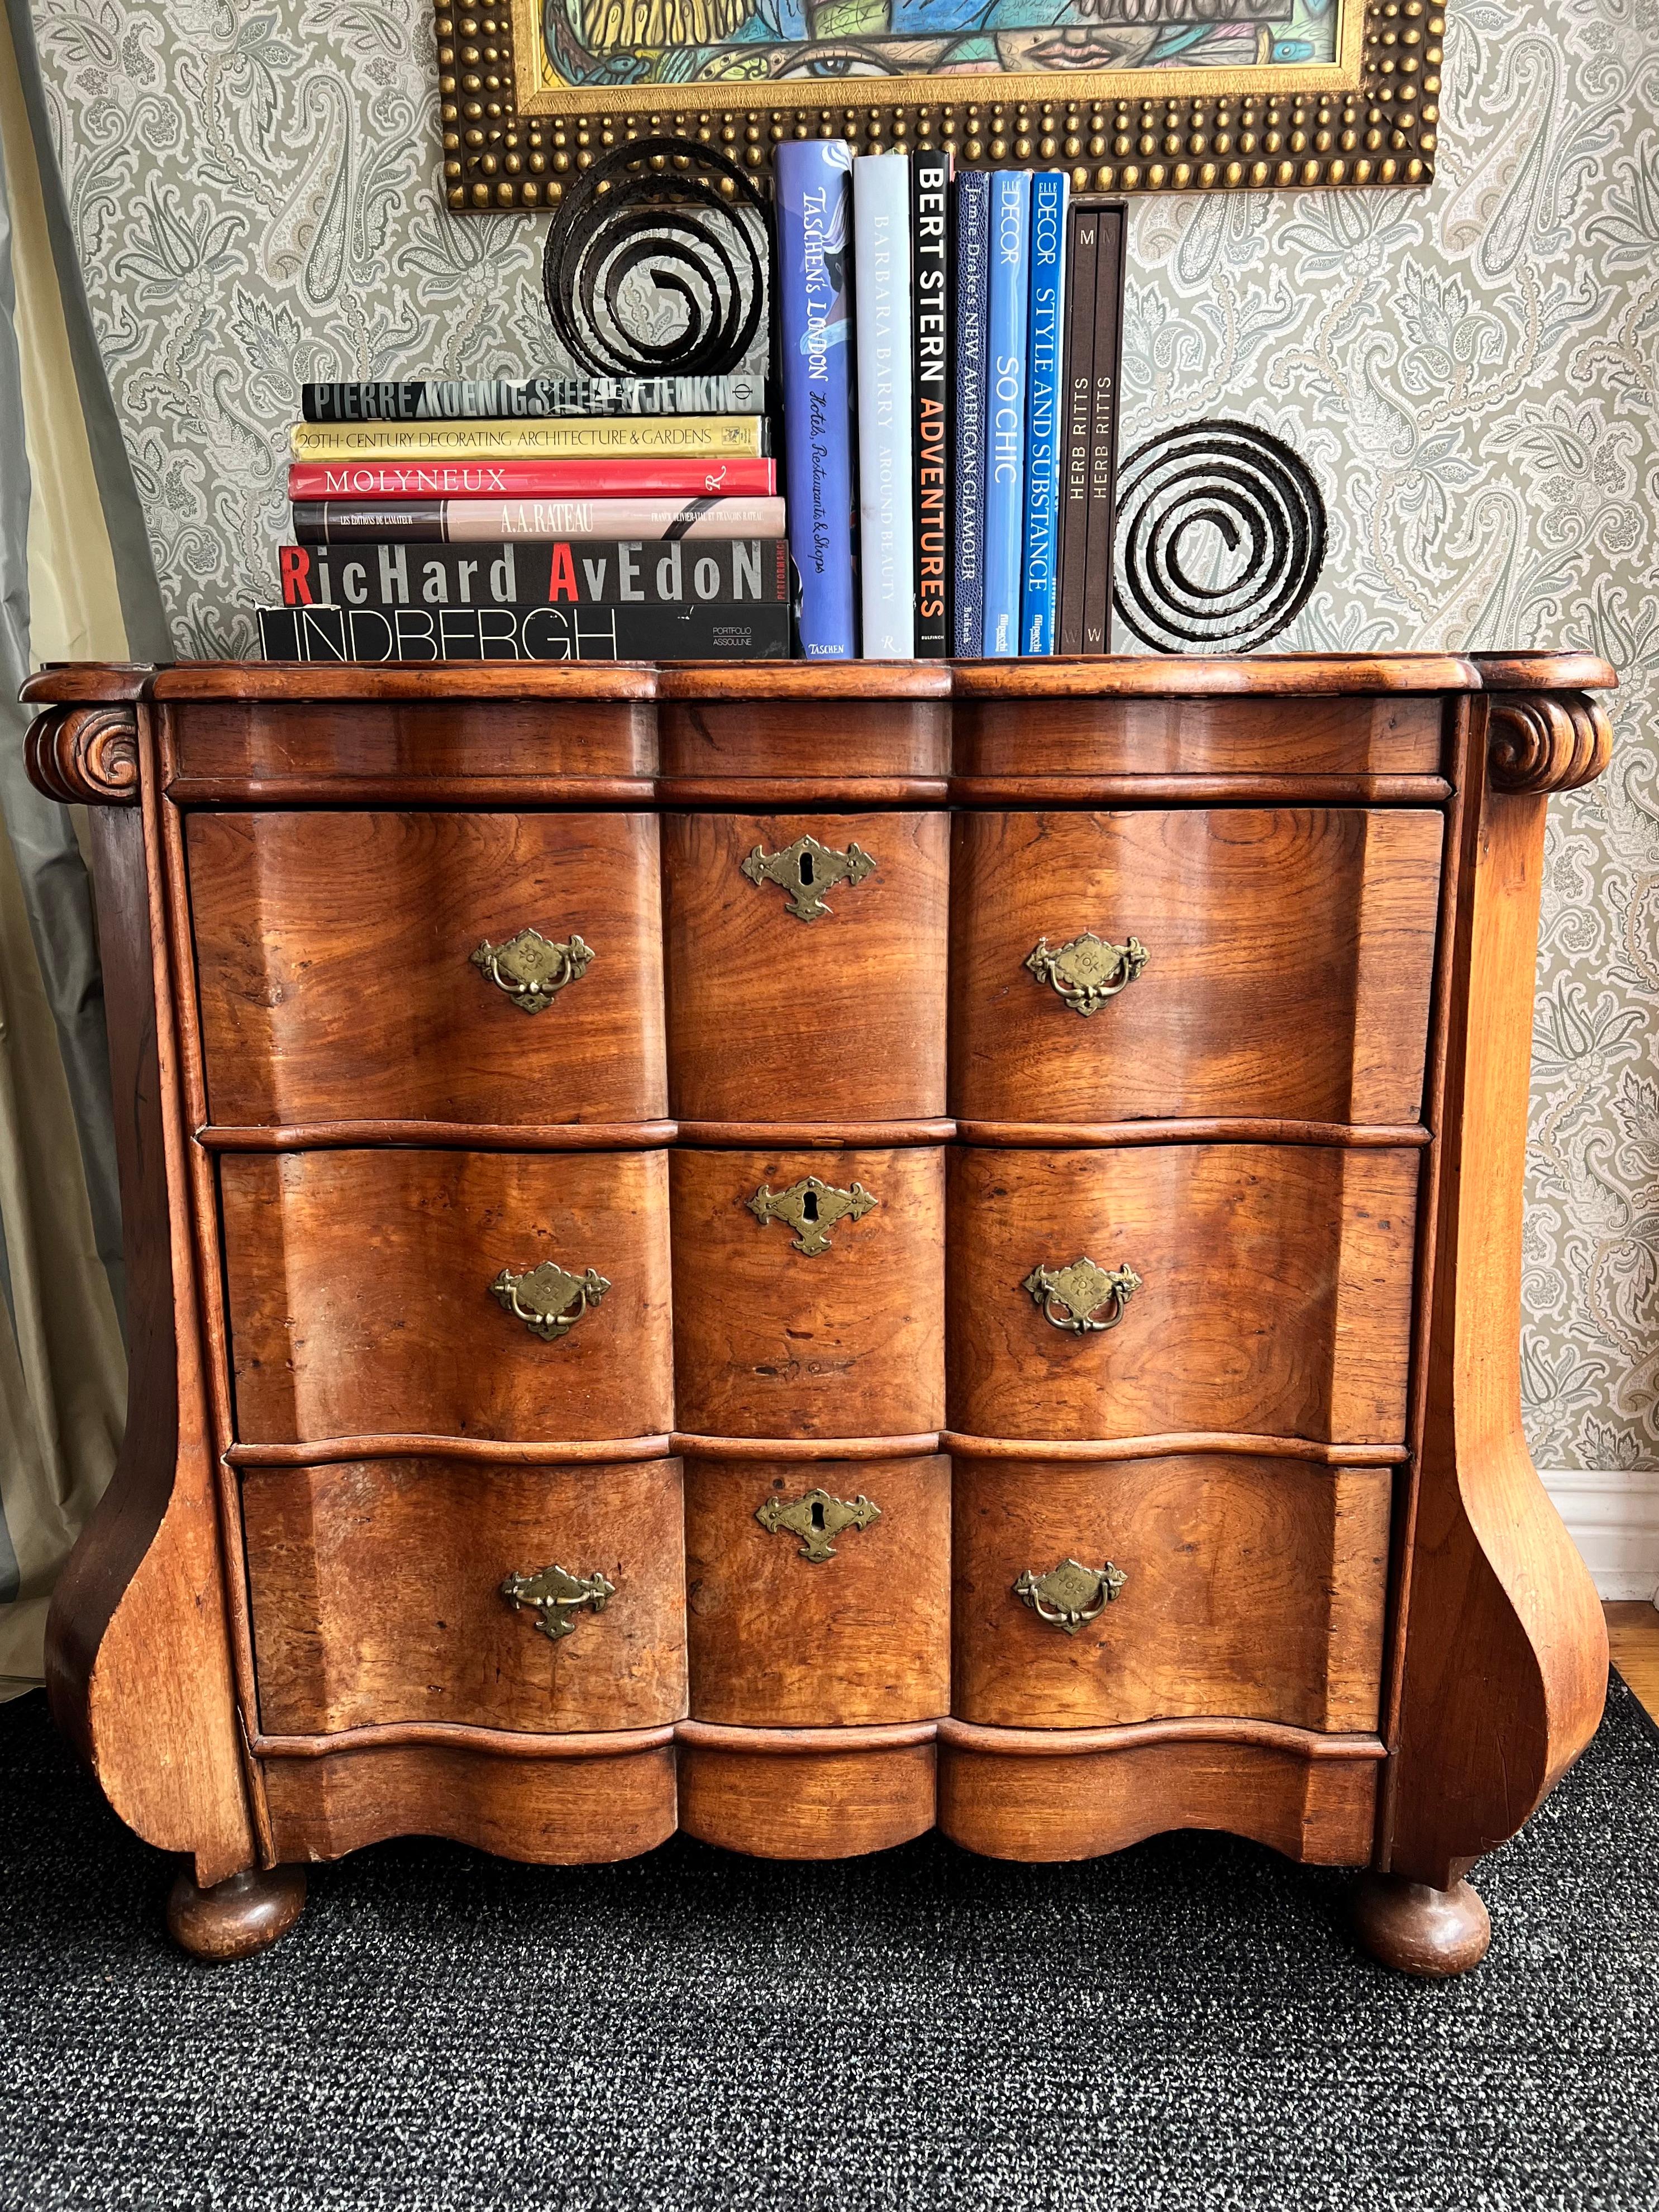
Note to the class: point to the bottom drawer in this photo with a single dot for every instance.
(376, 1590)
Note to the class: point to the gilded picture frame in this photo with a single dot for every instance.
(1218, 95)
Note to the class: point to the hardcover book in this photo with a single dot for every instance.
(930, 275)
(1010, 338)
(597, 437)
(585, 572)
(503, 398)
(1077, 406)
(1039, 579)
(972, 318)
(1105, 384)
(814, 198)
(881, 264)
(530, 479)
(525, 632)
(471, 521)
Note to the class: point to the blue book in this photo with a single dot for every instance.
(1010, 341)
(1039, 590)
(814, 201)
(972, 341)
(887, 543)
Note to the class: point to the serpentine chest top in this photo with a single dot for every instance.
(805, 1251)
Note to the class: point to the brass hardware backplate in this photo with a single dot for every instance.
(1070, 1298)
(810, 1209)
(549, 1300)
(805, 870)
(816, 1518)
(1070, 1595)
(555, 1597)
(1089, 970)
(532, 969)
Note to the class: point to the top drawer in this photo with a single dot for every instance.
(346, 970)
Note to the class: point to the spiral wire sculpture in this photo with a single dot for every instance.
(658, 206)
(1254, 493)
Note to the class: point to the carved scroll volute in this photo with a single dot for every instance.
(86, 754)
(1544, 741)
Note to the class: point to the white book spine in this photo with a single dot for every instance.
(881, 265)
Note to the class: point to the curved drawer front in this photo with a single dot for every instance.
(1249, 1586)
(377, 1597)
(1165, 1290)
(806, 964)
(371, 1293)
(809, 1293)
(360, 966)
(1254, 963)
(818, 1591)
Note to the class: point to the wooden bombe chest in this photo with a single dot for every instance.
(806, 1252)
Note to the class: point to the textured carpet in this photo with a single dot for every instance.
(1185, 2026)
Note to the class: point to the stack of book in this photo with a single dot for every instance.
(950, 371)
(551, 519)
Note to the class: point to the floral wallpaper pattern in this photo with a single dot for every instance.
(1474, 373)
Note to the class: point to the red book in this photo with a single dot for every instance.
(613, 479)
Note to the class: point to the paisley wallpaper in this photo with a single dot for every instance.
(1474, 375)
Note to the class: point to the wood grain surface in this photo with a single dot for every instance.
(359, 1294)
(781, 1640)
(1254, 1587)
(1276, 1292)
(336, 983)
(806, 1804)
(376, 1595)
(1289, 954)
(842, 1018)
(413, 734)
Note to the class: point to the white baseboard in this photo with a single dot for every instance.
(1613, 1516)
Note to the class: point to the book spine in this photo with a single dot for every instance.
(582, 572)
(610, 632)
(881, 264)
(930, 277)
(1079, 382)
(532, 479)
(1010, 337)
(484, 521)
(814, 208)
(1039, 582)
(608, 437)
(431, 400)
(973, 259)
(1105, 380)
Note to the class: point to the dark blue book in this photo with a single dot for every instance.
(814, 187)
(1039, 588)
(1010, 347)
(972, 338)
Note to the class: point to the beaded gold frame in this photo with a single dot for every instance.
(1370, 117)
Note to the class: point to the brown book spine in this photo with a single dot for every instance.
(1105, 382)
(1075, 413)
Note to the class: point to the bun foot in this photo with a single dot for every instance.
(236, 1917)
(1420, 1930)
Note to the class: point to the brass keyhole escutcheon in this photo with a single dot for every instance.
(548, 1299)
(816, 1518)
(1076, 1297)
(533, 969)
(805, 870)
(555, 1597)
(1089, 971)
(1070, 1595)
(811, 1209)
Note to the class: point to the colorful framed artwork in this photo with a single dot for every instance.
(1129, 95)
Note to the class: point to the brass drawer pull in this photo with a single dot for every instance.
(532, 969)
(810, 1209)
(1089, 970)
(555, 1597)
(1071, 1298)
(548, 1301)
(816, 1518)
(806, 868)
(1071, 1593)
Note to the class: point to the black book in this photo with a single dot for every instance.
(436, 399)
(1076, 412)
(1105, 381)
(930, 266)
(525, 632)
(558, 572)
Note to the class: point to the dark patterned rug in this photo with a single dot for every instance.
(1186, 2025)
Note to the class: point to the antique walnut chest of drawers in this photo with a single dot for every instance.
(806, 1252)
